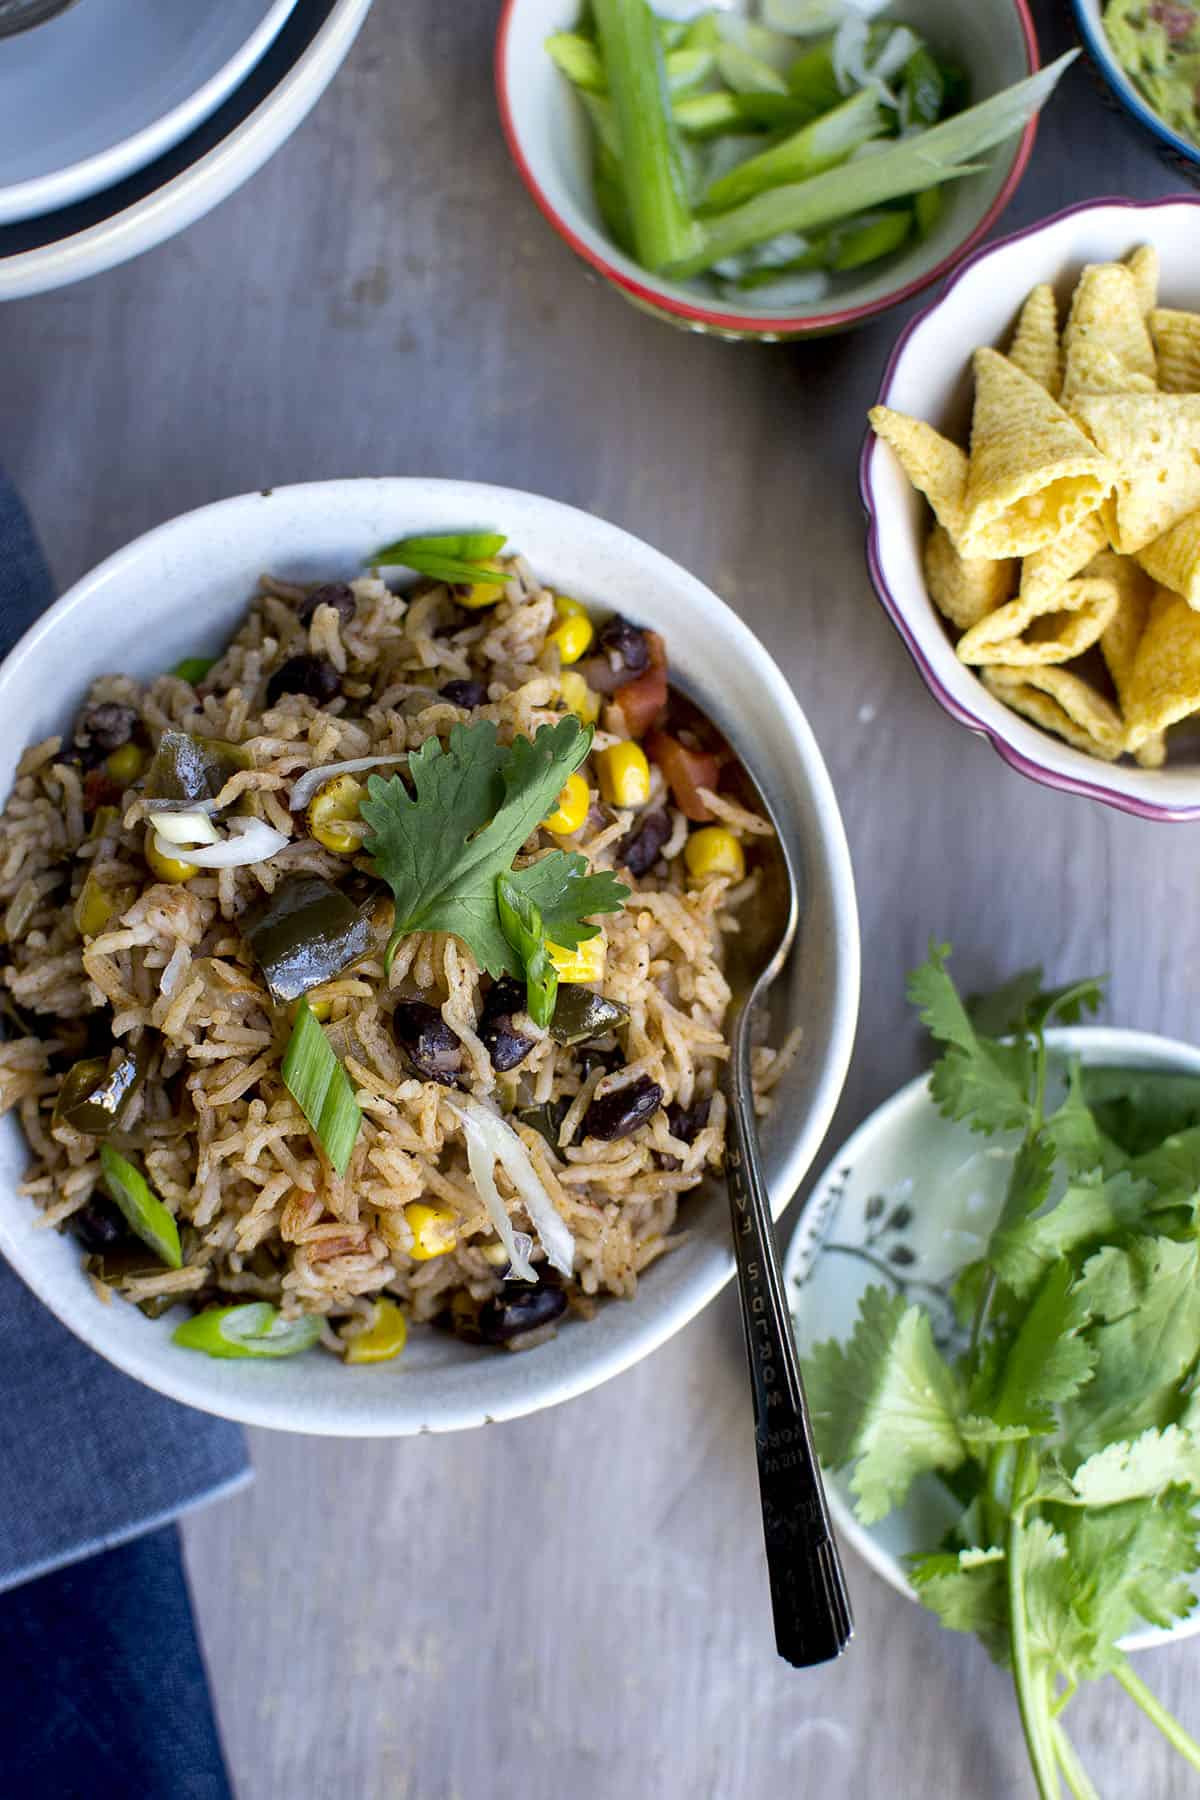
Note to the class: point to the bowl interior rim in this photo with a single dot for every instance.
(79, 180)
(1110, 791)
(1111, 1041)
(648, 1331)
(717, 318)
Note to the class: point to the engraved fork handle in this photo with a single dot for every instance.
(813, 1622)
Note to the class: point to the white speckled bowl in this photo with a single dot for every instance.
(180, 590)
(929, 374)
(875, 1214)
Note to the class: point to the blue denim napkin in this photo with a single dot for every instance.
(88, 1457)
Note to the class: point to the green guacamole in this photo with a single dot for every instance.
(1157, 43)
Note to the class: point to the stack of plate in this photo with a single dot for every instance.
(122, 121)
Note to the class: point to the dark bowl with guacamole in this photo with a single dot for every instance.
(1148, 52)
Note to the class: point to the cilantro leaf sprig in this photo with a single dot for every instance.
(1066, 1432)
(472, 807)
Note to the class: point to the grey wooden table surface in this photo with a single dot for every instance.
(576, 1603)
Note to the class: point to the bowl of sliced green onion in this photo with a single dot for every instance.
(782, 175)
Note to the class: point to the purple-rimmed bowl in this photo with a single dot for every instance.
(929, 375)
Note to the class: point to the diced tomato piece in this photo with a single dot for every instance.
(642, 700)
(686, 772)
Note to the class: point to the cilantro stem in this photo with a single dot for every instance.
(1032, 1698)
(1157, 1713)
(1060, 1703)
(1074, 1773)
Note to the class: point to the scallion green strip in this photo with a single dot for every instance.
(321, 1088)
(664, 231)
(140, 1206)
(820, 145)
(521, 922)
(457, 557)
(908, 167)
(193, 668)
(254, 1329)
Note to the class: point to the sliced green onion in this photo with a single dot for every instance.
(140, 1206)
(921, 79)
(663, 228)
(454, 558)
(521, 922)
(775, 48)
(579, 60)
(321, 1088)
(193, 668)
(255, 1329)
(813, 80)
(820, 145)
(867, 241)
(746, 74)
(928, 208)
(688, 67)
(922, 161)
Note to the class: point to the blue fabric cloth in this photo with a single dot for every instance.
(104, 1695)
(88, 1457)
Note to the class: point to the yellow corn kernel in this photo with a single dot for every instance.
(582, 700)
(584, 963)
(624, 774)
(714, 851)
(574, 636)
(332, 808)
(572, 808)
(434, 1230)
(495, 1255)
(167, 868)
(385, 1339)
(126, 764)
(482, 593)
(96, 905)
(320, 1009)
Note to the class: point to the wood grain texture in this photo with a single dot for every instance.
(576, 1602)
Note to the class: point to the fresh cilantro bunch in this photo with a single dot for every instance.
(1067, 1429)
(442, 847)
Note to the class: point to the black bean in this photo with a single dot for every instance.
(685, 1122)
(98, 1226)
(101, 730)
(520, 1306)
(620, 1113)
(338, 594)
(314, 676)
(642, 848)
(625, 646)
(506, 1046)
(434, 1051)
(468, 694)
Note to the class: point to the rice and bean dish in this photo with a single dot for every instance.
(372, 972)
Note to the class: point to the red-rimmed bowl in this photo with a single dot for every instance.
(547, 132)
(928, 375)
